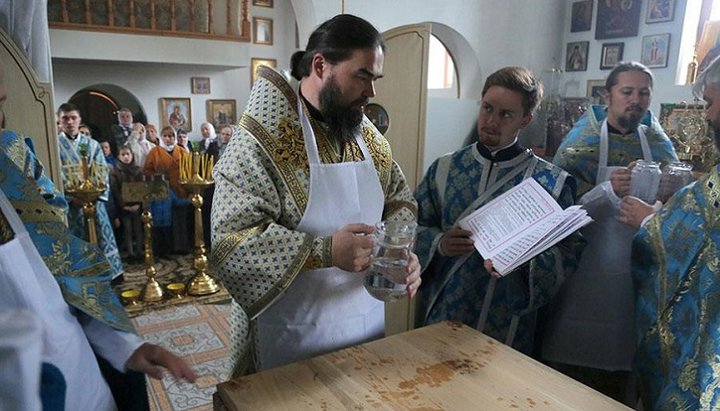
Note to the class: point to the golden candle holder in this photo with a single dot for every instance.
(195, 177)
(88, 193)
(145, 191)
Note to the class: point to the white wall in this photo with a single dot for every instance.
(574, 84)
(151, 67)
(445, 136)
(500, 32)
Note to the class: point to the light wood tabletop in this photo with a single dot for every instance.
(445, 366)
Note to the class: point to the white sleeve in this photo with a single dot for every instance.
(113, 345)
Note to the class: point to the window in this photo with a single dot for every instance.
(441, 68)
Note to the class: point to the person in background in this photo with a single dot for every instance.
(109, 158)
(128, 213)
(207, 131)
(73, 146)
(183, 141)
(84, 129)
(120, 132)
(139, 144)
(296, 196)
(217, 147)
(152, 134)
(591, 330)
(170, 216)
(457, 280)
(675, 258)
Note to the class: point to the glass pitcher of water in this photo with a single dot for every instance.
(384, 279)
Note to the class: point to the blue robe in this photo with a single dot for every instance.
(71, 163)
(591, 322)
(80, 268)
(451, 188)
(578, 153)
(676, 262)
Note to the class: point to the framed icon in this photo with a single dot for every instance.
(659, 11)
(221, 112)
(612, 54)
(176, 112)
(655, 50)
(263, 3)
(596, 91)
(257, 62)
(576, 56)
(581, 16)
(617, 19)
(200, 85)
(262, 31)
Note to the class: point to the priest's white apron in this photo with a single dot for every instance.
(326, 309)
(594, 325)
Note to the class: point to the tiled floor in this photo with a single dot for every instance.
(201, 334)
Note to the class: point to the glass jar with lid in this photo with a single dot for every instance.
(676, 175)
(645, 180)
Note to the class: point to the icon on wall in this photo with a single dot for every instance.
(581, 16)
(612, 54)
(176, 112)
(617, 19)
(576, 56)
(655, 50)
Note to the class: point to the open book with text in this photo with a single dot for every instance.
(520, 224)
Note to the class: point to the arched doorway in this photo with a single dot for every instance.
(99, 104)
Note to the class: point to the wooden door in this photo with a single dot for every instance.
(403, 94)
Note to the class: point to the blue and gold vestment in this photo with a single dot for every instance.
(676, 262)
(453, 288)
(81, 269)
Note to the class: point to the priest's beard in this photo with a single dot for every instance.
(631, 118)
(343, 120)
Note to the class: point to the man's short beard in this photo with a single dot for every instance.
(343, 121)
(629, 122)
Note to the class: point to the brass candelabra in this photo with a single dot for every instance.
(146, 191)
(195, 177)
(88, 188)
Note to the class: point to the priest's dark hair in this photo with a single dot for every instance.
(336, 39)
(624, 66)
(521, 80)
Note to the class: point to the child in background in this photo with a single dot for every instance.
(129, 213)
(107, 151)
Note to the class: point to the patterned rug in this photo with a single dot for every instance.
(200, 333)
(177, 269)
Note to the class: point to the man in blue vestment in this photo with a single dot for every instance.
(73, 146)
(456, 278)
(590, 334)
(675, 260)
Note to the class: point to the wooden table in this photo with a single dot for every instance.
(445, 366)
